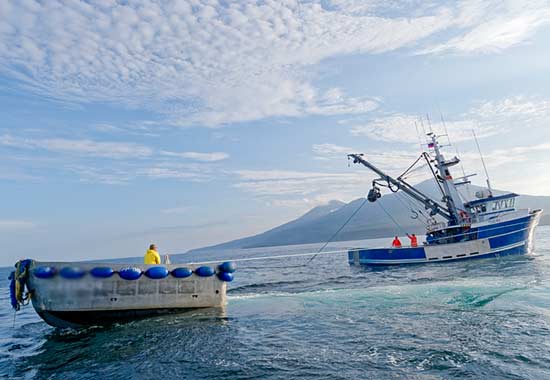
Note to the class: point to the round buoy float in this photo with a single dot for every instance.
(156, 272)
(228, 266)
(44, 272)
(205, 271)
(130, 273)
(181, 272)
(72, 273)
(102, 272)
(225, 276)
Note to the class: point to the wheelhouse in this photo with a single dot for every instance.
(482, 209)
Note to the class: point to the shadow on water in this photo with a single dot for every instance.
(101, 352)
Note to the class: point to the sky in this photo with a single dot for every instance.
(190, 123)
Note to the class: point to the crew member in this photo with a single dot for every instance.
(151, 256)
(396, 243)
(413, 239)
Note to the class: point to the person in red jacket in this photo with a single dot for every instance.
(413, 239)
(396, 243)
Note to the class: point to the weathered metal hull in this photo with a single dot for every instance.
(76, 302)
(79, 319)
(511, 237)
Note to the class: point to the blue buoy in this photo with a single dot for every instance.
(72, 273)
(44, 272)
(225, 276)
(156, 272)
(228, 266)
(181, 272)
(13, 296)
(130, 273)
(102, 272)
(204, 271)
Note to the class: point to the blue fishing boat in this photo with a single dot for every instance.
(458, 229)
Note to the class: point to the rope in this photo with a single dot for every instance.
(339, 229)
(313, 254)
(273, 257)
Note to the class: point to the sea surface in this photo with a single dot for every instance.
(478, 319)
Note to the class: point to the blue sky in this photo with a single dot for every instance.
(191, 123)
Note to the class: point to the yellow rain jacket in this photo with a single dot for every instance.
(151, 257)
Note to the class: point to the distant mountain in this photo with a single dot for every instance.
(371, 221)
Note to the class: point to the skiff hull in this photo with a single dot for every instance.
(82, 294)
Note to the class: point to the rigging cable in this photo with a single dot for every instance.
(410, 205)
(319, 251)
(338, 231)
(410, 167)
(391, 217)
(427, 157)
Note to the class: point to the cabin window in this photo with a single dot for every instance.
(480, 208)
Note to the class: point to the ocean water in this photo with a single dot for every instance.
(479, 319)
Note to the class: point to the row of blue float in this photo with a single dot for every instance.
(224, 273)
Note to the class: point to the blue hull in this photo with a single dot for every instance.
(512, 237)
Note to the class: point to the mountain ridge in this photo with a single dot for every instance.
(372, 221)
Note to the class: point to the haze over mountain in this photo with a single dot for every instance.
(371, 221)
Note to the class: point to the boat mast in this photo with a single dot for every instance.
(400, 184)
(451, 197)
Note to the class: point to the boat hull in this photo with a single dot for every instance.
(495, 239)
(79, 319)
(89, 300)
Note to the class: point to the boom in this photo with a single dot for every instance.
(429, 203)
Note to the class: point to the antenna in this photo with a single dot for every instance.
(423, 129)
(464, 174)
(429, 122)
(484, 166)
(445, 126)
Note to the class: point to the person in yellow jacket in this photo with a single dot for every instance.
(151, 256)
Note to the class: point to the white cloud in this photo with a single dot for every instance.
(518, 107)
(204, 157)
(305, 189)
(505, 164)
(504, 157)
(493, 26)
(331, 151)
(123, 173)
(302, 189)
(411, 129)
(487, 118)
(212, 62)
(91, 148)
(104, 176)
(185, 171)
(7, 224)
(392, 161)
(205, 63)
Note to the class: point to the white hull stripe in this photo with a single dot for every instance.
(484, 238)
